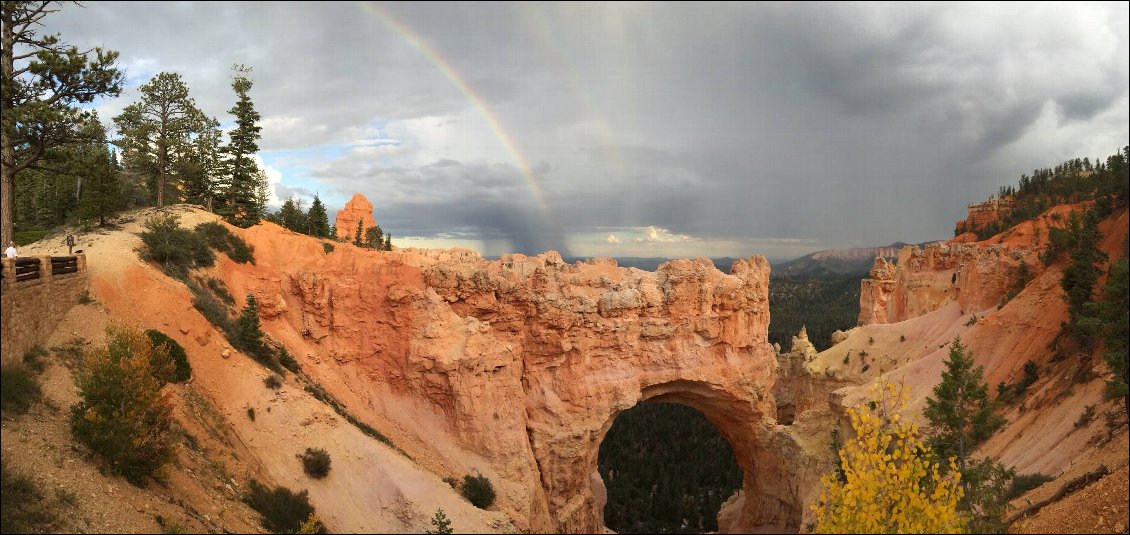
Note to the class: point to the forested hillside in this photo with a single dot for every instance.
(667, 470)
(823, 304)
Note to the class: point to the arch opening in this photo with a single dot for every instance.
(665, 468)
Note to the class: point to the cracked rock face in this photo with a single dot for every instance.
(526, 361)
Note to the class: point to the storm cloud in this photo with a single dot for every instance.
(743, 128)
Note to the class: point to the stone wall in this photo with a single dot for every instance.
(31, 309)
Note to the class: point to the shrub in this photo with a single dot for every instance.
(212, 310)
(22, 509)
(251, 413)
(220, 290)
(122, 415)
(272, 382)
(288, 361)
(175, 248)
(327, 247)
(32, 360)
(283, 510)
(1086, 417)
(248, 335)
(85, 298)
(892, 485)
(478, 491)
(219, 237)
(25, 237)
(316, 462)
(18, 389)
(181, 370)
(1026, 482)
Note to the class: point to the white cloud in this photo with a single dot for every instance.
(274, 180)
(612, 239)
(662, 235)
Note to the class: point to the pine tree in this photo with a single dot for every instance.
(317, 220)
(374, 238)
(388, 242)
(245, 180)
(101, 192)
(962, 415)
(44, 83)
(291, 217)
(357, 238)
(1080, 276)
(160, 127)
(441, 523)
(201, 166)
(248, 332)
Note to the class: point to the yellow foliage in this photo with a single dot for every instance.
(892, 486)
(312, 525)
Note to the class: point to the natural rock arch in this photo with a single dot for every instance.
(524, 362)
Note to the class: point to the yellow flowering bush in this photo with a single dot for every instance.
(890, 483)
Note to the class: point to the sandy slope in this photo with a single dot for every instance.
(371, 487)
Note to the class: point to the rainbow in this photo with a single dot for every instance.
(444, 66)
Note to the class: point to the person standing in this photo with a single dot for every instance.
(11, 252)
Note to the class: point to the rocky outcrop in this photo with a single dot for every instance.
(358, 209)
(976, 275)
(517, 367)
(984, 214)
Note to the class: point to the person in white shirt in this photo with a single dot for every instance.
(10, 252)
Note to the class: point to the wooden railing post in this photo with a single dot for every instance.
(45, 268)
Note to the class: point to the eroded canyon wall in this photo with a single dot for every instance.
(517, 367)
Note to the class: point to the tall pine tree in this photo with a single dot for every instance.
(962, 415)
(245, 181)
(317, 219)
(42, 83)
(160, 126)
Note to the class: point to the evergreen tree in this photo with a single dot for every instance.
(43, 83)
(1109, 317)
(1080, 276)
(357, 238)
(160, 126)
(201, 165)
(245, 181)
(388, 242)
(101, 195)
(317, 220)
(248, 333)
(962, 415)
(441, 523)
(291, 217)
(374, 238)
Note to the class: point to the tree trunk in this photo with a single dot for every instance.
(8, 156)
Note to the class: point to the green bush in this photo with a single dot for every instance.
(272, 382)
(220, 290)
(327, 247)
(478, 491)
(1024, 483)
(182, 371)
(176, 249)
(212, 310)
(122, 415)
(18, 389)
(23, 509)
(25, 237)
(283, 511)
(316, 462)
(220, 238)
(288, 361)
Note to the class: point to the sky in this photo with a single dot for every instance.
(639, 129)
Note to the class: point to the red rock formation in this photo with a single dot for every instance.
(357, 209)
(977, 275)
(517, 368)
(983, 214)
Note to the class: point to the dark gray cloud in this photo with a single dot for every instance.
(739, 126)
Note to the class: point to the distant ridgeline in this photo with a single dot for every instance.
(1069, 182)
